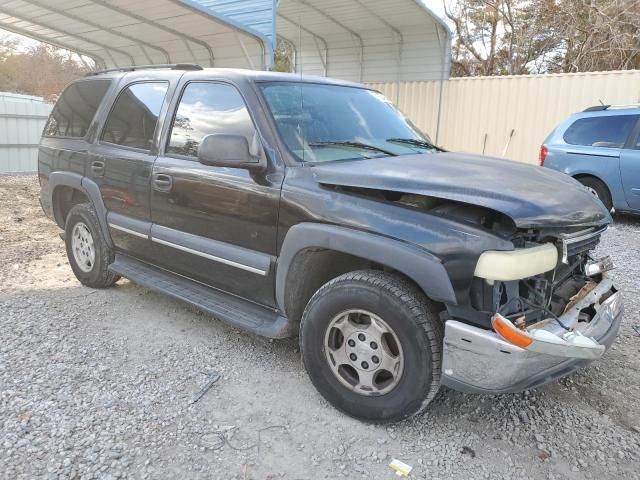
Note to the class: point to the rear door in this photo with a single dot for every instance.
(121, 162)
(630, 170)
(66, 136)
(216, 225)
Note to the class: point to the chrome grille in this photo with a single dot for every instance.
(580, 242)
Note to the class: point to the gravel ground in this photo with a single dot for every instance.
(100, 384)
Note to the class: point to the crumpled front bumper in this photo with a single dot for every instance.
(480, 361)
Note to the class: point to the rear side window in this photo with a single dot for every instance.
(76, 108)
(205, 109)
(609, 131)
(134, 116)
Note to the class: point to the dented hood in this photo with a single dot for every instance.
(532, 196)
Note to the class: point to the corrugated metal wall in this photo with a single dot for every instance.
(487, 109)
(476, 113)
(22, 119)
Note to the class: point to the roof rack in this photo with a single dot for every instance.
(171, 66)
(598, 108)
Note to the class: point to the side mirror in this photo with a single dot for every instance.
(223, 150)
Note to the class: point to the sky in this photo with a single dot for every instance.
(436, 6)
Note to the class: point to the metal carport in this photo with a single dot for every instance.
(360, 40)
(124, 32)
(366, 40)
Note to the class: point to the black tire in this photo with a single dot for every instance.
(98, 275)
(413, 318)
(600, 189)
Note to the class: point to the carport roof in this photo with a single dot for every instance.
(359, 40)
(124, 32)
(366, 40)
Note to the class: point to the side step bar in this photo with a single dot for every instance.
(228, 308)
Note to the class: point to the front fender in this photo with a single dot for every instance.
(422, 267)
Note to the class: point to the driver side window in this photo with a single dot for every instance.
(205, 109)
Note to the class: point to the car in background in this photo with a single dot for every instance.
(600, 147)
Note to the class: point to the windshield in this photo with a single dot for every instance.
(321, 123)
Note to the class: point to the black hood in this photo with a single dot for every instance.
(532, 196)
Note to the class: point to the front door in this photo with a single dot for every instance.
(121, 163)
(215, 225)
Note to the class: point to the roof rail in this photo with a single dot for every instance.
(171, 66)
(598, 108)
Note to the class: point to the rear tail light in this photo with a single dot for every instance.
(543, 154)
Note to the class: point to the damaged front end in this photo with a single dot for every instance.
(550, 308)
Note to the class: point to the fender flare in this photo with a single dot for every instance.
(425, 269)
(89, 188)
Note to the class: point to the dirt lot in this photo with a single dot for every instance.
(100, 384)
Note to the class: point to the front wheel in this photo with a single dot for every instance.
(372, 345)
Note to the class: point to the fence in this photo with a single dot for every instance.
(501, 116)
(506, 116)
(22, 119)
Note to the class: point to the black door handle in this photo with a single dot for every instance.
(97, 167)
(162, 182)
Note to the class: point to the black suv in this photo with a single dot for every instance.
(290, 205)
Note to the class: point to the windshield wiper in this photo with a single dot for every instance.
(363, 146)
(416, 142)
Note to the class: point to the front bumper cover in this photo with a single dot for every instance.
(480, 361)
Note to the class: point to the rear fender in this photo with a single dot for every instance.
(89, 188)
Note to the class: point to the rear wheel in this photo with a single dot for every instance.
(599, 189)
(372, 345)
(87, 251)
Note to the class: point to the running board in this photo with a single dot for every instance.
(235, 311)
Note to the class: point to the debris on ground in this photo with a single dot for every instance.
(213, 377)
(468, 451)
(401, 468)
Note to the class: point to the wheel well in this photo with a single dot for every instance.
(588, 175)
(64, 198)
(313, 267)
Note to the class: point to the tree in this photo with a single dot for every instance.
(598, 35)
(283, 56)
(39, 70)
(507, 37)
(502, 37)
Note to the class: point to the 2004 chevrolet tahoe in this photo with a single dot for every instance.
(290, 205)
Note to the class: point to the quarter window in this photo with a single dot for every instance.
(205, 109)
(134, 116)
(75, 109)
(609, 131)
